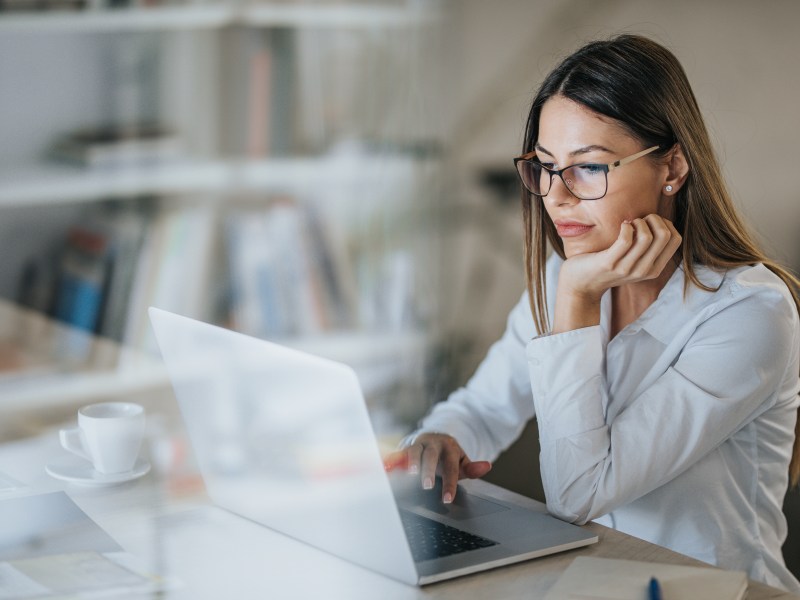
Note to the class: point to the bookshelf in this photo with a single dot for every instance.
(45, 363)
(213, 72)
(58, 184)
(198, 17)
(128, 19)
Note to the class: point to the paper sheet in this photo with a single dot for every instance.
(50, 547)
(45, 524)
(79, 573)
(9, 484)
(590, 578)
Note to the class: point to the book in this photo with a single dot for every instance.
(125, 226)
(41, 5)
(85, 280)
(283, 91)
(257, 307)
(171, 271)
(50, 548)
(82, 278)
(285, 277)
(39, 280)
(118, 146)
(258, 109)
(272, 287)
(600, 578)
(262, 93)
(328, 246)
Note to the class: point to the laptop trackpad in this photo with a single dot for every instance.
(464, 506)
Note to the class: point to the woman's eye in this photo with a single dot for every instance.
(592, 169)
(549, 166)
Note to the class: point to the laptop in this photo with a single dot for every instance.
(283, 438)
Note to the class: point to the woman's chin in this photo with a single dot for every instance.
(575, 247)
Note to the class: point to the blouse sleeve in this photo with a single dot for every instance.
(737, 364)
(489, 412)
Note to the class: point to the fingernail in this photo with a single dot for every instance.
(448, 498)
(427, 484)
(413, 470)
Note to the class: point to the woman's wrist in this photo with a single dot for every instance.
(576, 310)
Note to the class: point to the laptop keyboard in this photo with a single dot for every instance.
(430, 539)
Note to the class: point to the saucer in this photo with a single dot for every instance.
(77, 470)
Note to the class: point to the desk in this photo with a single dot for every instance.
(216, 554)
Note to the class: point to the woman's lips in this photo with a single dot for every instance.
(572, 229)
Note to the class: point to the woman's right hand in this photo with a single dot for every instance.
(437, 453)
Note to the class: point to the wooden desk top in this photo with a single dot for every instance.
(216, 554)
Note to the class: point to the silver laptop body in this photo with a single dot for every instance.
(283, 438)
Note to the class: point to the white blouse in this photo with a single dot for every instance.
(678, 431)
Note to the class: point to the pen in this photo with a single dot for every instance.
(654, 589)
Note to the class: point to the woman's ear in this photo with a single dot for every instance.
(677, 171)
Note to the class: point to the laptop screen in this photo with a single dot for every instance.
(284, 438)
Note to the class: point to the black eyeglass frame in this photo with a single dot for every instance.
(606, 168)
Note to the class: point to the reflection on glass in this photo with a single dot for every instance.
(283, 438)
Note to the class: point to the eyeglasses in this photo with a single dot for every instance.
(586, 181)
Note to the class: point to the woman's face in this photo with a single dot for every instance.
(570, 133)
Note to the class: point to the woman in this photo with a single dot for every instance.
(659, 348)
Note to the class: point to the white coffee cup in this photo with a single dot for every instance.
(109, 435)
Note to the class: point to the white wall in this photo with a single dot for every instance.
(741, 58)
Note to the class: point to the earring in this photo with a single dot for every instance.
(668, 188)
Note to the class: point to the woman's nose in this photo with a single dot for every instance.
(559, 193)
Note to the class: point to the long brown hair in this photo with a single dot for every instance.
(642, 86)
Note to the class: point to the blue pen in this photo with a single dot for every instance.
(654, 589)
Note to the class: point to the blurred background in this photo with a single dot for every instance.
(333, 175)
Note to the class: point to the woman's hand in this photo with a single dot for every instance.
(437, 453)
(640, 252)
